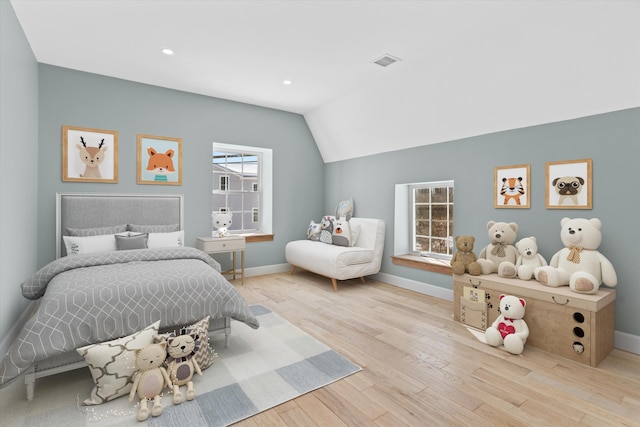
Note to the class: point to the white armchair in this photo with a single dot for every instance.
(341, 262)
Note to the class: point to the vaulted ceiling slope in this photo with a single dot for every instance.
(466, 67)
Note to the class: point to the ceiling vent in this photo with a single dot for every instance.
(386, 60)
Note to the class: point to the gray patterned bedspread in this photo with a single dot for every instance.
(93, 298)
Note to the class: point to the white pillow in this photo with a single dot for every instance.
(90, 244)
(112, 364)
(165, 240)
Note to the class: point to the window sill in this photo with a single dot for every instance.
(423, 263)
(257, 237)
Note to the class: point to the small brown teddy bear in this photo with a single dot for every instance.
(464, 260)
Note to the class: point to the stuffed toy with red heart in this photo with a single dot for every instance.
(509, 329)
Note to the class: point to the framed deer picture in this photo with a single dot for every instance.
(159, 160)
(89, 155)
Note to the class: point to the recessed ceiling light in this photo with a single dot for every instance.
(167, 51)
(286, 82)
(386, 60)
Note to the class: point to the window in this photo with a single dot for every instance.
(420, 229)
(431, 208)
(242, 185)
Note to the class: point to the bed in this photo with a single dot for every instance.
(96, 294)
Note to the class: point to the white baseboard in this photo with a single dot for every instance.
(267, 269)
(622, 340)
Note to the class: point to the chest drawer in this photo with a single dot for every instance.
(220, 244)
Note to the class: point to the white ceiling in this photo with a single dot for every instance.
(467, 67)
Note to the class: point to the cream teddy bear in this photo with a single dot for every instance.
(579, 264)
(221, 221)
(529, 260)
(150, 379)
(500, 255)
(509, 329)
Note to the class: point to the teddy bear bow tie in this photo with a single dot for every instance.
(498, 249)
(574, 254)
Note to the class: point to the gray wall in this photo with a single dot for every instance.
(18, 166)
(76, 98)
(610, 140)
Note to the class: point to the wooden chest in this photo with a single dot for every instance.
(576, 326)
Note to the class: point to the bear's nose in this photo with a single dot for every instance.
(572, 231)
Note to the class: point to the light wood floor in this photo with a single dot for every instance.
(420, 368)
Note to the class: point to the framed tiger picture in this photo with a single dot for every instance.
(511, 186)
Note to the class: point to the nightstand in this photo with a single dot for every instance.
(216, 245)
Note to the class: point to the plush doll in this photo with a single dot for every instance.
(579, 264)
(509, 329)
(326, 229)
(341, 235)
(221, 221)
(313, 231)
(464, 260)
(529, 260)
(500, 255)
(345, 209)
(150, 379)
(182, 345)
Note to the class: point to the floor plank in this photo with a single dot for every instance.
(422, 368)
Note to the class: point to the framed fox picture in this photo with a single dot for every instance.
(159, 160)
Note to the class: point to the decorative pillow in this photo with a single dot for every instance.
(313, 231)
(345, 209)
(99, 231)
(326, 229)
(112, 364)
(138, 241)
(165, 240)
(205, 354)
(341, 235)
(90, 244)
(169, 228)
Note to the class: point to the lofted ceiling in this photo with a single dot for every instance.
(466, 67)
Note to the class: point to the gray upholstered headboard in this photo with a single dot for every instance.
(78, 210)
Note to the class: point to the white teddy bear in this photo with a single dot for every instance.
(529, 260)
(500, 255)
(509, 329)
(579, 264)
(221, 221)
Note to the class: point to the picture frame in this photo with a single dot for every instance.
(159, 160)
(568, 184)
(89, 155)
(512, 188)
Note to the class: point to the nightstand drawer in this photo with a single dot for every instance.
(220, 244)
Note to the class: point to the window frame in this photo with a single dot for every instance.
(449, 186)
(264, 188)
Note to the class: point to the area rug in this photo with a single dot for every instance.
(261, 368)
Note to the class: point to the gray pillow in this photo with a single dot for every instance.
(167, 228)
(98, 231)
(139, 241)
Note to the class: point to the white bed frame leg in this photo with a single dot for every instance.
(30, 383)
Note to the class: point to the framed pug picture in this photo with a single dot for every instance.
(511, 186)
(159, 160)
(89, 155)
(568, 184)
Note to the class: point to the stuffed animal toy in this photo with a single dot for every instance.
(341, 235)
(345, 209)
(579, 264)
(500, 255)
(326, 229)
(221, 221)
(464, 260)
(313, 231)
(509, 329)
(529, 260)
(182, 345)
(150, 379)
